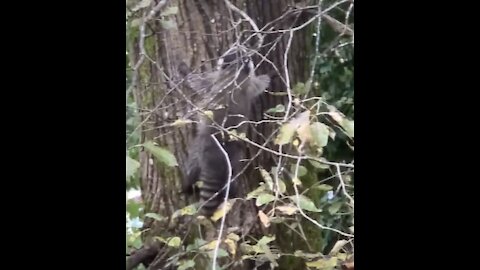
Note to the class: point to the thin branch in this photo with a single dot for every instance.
(287, 111)
(297, 196)
(307, 22)
(317, 46)
(156, 9)
(227, 159)
(249, 19)
(343, 186)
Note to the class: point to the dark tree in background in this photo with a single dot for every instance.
(301, 206)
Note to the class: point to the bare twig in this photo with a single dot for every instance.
(342, 183)
(227, 159)
(250, 20)
(317, 46)
(287, 111)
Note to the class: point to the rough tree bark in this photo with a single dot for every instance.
(203, 32)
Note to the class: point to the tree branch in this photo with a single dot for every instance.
(143, 255)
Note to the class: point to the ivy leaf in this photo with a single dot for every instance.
(161, 154)
(264, 198)
(320, 133)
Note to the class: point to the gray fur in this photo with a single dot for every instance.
(234, 91)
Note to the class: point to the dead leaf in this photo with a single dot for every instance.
(264, 219)
(220, 212)
(232, 248)
(287, 209)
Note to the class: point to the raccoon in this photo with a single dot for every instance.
(232, 89)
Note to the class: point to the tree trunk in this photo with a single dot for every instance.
(203, 31)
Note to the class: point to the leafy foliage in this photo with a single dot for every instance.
(319, 128)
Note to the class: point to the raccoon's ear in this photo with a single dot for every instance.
(259, 84)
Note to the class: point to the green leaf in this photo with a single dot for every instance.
(221, 253)
(188, 210)
(161, 239)
(132, 166)
(320, 133)
(332, 209)
(154, 216)
(299, 89)
(162, 154)
(133, 208)
(174, 241)
(323, 263)
(278, 109)
(168, 24)
(170, 11)
(186, 264)
(264, 198)
(307, 204)
(348, 126)
(254, 193)
(137, 243)
(324, 187)
(266, 239)
(286, 134)
(221, 211)
(319, 165)
(302, 171)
